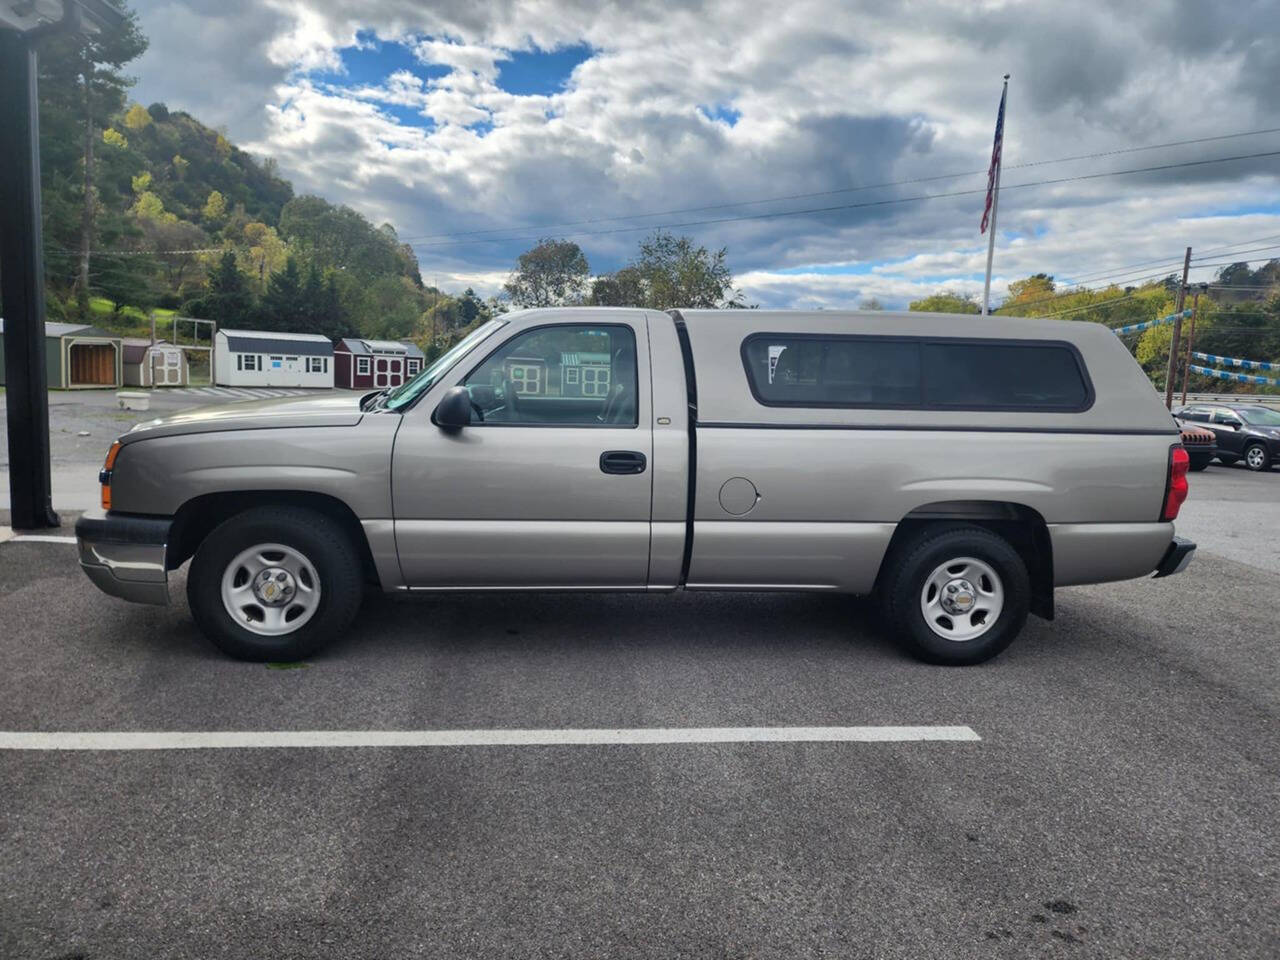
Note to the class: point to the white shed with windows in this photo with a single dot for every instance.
(260, 358)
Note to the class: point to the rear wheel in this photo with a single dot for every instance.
(956, 596)
(1226, 460)
(275, 583)
(1200, 461)
(1256, 457)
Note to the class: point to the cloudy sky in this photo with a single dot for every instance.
(772, 129)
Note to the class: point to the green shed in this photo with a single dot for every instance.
(78, 356)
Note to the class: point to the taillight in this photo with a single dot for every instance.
(105, 476)
(1176, 488)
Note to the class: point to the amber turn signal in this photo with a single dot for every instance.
(105, 476)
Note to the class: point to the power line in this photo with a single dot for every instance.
(1238, 243)
(828, 193)
(868, 203)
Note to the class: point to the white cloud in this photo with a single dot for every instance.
(829, 94)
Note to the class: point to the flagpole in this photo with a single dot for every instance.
(995, 204)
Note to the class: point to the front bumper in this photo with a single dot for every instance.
(124, 555)
(1176, 557)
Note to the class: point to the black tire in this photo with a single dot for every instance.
(320, 540)
(1226, 460)
(1259, 463)
(908, 571)
(1198, 463)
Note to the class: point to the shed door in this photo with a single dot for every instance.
(92, 364)
(166, 368)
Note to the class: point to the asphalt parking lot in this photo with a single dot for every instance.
(1121, 800)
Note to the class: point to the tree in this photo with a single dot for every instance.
(267, 253)
(673, 272)
(173, 241)
(871, 304)
(81, 84)
(945, 303)
(137, 118)
(215, 208)
(1037, 287)
(471, 306)
(622, 288)
(281, 305)
(227, 299)
(552, 273)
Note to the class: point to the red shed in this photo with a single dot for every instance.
(374, 364)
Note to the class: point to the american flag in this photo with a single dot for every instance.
(996, 147)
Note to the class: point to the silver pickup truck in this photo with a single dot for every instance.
(958, 467)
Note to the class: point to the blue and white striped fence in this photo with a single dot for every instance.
(1235, 362)
(1236, 377)
(1148, 324)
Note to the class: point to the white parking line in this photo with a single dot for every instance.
(257, 739)
(36, 538)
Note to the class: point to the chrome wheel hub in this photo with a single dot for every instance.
(271, 589)
(274, 586)
(962, 599)
(1255, 456)
(958, 596)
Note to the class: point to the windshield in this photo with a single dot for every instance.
(1262, 416)
(409, 391)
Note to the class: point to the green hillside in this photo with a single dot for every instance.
(146, 208)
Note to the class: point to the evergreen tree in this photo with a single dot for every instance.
(282, 305)
(228, 300)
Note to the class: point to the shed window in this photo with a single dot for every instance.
(248, 361)
(317, 364)
(362, 366)
(903, 372)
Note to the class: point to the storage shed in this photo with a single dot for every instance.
(153, 365)
(584, 374)
(260, 358)
(78, 356)
(374, 364)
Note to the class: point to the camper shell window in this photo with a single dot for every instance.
(906, 373)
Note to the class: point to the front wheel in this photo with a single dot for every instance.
(1256, 457)
(956, 596)
(275, 583)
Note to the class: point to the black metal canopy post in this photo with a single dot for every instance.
(22, 288)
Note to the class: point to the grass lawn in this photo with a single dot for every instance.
(129, 321)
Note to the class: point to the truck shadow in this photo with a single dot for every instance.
(576, 621)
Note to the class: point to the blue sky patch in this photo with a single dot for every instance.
(541, 72)
(374, 60)
(722, 113)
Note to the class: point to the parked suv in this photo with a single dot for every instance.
(961, 476)
(1245, 431)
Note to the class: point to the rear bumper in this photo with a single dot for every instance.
(1176, 557)
(124, 555)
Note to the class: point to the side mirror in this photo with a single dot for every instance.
(1233, 424)
(454, 411)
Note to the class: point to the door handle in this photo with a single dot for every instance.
(622, 461)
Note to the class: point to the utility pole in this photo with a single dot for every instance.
(1177, 333)
(1191, 338)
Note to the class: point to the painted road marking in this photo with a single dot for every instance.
(258, 739)
(36, 538)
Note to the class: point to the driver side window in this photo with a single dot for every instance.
(571, 375)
